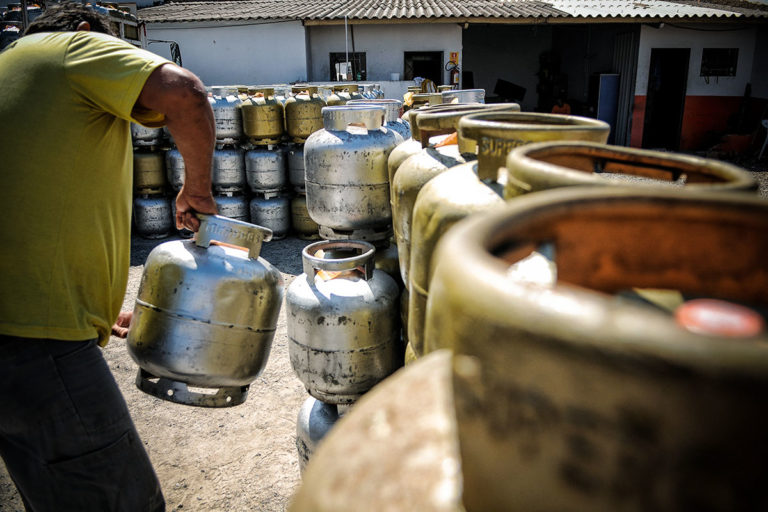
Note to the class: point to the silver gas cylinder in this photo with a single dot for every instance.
(315, 420)
(296, 175)
(226, 113)
(174, 168)
(233, 205)
(346, 173)
(272, 210)
(144, 136)
(265, 169)
(464, 96)
(205, 315)
(228, 169)
(392, 118)
(343, 325)
(152, 215)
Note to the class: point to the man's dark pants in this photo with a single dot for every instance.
(66, 436)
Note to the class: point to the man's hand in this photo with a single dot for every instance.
(186, 206)
(123, 323)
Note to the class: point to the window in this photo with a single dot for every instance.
(425, 65)
(131, 31)
(341, 69)
(719, 61)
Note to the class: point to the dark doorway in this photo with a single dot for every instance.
(424, 64)
(667, 81)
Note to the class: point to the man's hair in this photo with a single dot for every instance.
(66, 16)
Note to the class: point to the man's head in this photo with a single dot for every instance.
(69, 17)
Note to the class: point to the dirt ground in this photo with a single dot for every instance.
(236, 459)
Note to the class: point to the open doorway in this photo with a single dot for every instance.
(424, 64)
(667, 83)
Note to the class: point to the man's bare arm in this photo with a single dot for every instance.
(180, 95)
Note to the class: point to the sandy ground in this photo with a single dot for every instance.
(235, 459)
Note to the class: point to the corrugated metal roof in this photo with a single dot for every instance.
(445, 10)
(656, 8)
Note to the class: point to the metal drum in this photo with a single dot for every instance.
(305, 227)
(144, 136)
(561, 164)
(463, 96)
(343, 323)
(474, 187)
(303, 113)
(205, 315)
(636, 378)
(263, 116)
(315, 420)
(396, 450)
(265, 169)
(174, 168)
(346, 173)
(296, 174)
(432, 160)
(272, 210)
(228, 169)
(152, 216)
(148, 171)
(392, 118)
(233, 205)
(226, 113)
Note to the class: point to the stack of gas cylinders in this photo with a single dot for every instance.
(585, 324)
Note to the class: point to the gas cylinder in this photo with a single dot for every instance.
(392, 118)
(418, 169)
(426, 98)
(296, 175)
(174, 168)
(263, 116)
(205, 315)
(305, 227)
(233, 205)
(265, 169)
(148, 171)
(387, 260)
(463, 96)
(152, 215)
(228, 169)
(226, 114)
(339, 96)
(315, 420)
(343, 328)
(272, 210)
(474, 187)
(346, 173)
(404, 441)
(303, 113)
(144, 136)
(354, 92)
(586, 384)
(560, 164)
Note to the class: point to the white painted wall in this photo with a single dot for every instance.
(384, 46)
(743, 38)
(248, 54)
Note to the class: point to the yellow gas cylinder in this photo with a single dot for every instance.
(561, 164)
(339, 96)
(149, 170)
(303, 113)
(429, 162)
(575, 393)
(354, 92)
(474, 187)
(263, 116)
(302, 223)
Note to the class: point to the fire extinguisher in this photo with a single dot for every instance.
(453, 69)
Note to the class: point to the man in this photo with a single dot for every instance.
(68, 91)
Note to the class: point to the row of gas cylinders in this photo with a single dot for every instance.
(575, 365)
(565, 345)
